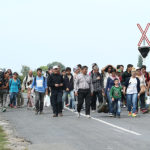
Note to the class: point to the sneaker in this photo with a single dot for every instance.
(144, 111)
(88, 116)
(54, 115)
(93, 111)
(111, 115)
(41, 113)
(129, 114)
(11, 105)
(134, 115)
(67, 105)
(60, 114)
(4, 109)
(136, 112)
(33, 108)
(79, 115)
(124, 106)
(15, 107)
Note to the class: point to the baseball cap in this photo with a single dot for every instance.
(55, 67)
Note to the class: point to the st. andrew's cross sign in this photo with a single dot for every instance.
(145, 49)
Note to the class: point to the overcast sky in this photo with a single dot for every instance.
(37, 32)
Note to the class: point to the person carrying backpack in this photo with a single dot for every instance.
(14, 88)
(40, 86)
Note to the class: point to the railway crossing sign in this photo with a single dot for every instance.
(144, 50)
(144, 36)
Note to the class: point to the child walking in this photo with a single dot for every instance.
(115, 94)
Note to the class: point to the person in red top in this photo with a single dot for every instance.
(148, 89)
(146, 74)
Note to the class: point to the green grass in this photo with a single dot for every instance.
(3, 140)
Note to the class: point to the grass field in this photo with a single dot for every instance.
(3, 140)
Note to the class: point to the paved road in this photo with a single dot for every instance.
(72, 133)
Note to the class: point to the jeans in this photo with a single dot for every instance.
(65, 95)
(132, 101)
(39, 101)
(56, 97)
(109, 101)
(96, 95)
(13, 97)
(116, 107)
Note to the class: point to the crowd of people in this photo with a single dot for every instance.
(78, 90)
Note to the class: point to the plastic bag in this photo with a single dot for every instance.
(47, 101)
(148, 100)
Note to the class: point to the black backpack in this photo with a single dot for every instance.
(1, 78)
(103, 107)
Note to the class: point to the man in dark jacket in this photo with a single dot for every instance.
(56, 84)
(126, 74)
(97, 81)
(69, 87)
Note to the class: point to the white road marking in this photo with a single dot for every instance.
(107, 123)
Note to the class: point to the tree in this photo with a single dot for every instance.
(140, 61)
(44, 68)
(50, 65)
(25, 70)
(35, 73)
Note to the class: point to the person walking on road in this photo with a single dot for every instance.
(4, 90)
(132, 92)
(110, 83)
(14, 88)
(97, 81)
(40, 86)
(27, 82)
(143, 91)
(56, 84)
(116, 94)
(84, 90)
(69, 88)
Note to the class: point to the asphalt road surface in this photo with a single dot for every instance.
(71, 133)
